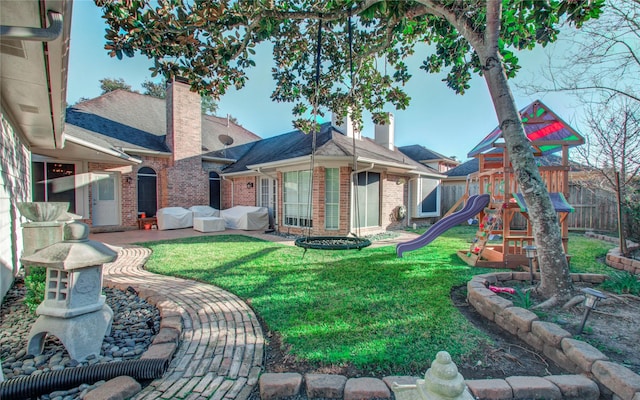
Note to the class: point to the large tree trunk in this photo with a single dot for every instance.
(555, 279)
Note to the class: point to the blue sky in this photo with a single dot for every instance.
(437, 118)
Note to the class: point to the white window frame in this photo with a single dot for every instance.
(418, 197)
(332, 199)
(364, 202)
(296, 201)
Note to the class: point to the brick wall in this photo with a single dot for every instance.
(15, 186)
(236, 193)
(395, 194)
(184, 123)
(185, 183)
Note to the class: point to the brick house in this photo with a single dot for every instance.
(33, 92)
(128, 154)
(359, 185)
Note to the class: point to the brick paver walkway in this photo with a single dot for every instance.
(221, 350)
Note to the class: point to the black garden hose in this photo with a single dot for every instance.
(47, 382)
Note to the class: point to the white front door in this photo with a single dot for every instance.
(104, 199)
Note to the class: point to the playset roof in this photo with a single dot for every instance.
(545, 130)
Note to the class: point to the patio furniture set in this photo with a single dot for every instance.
(209, 219)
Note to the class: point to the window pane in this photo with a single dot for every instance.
(38, 184)
(429, 195)
(373, 199)
(60, 179)
(106, 189)
(332, 198)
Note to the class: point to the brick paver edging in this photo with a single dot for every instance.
(573, 355)
(214, 338)
(614, 258)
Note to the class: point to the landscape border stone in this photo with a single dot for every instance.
(556, 343)
(614, 258)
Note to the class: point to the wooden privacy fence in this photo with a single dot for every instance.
(595, 209)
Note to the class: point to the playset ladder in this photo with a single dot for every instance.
(487, 225)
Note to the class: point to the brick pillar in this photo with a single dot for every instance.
(186, 181)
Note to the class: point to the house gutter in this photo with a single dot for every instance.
(147, 152)
(104, 150)
(353, 185)
(259, 171)
(219, 159)
(35, 34)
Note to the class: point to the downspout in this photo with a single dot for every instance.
(353, 205)
(35, 34)
(233, 186)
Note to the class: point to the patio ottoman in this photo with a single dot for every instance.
(208, 224)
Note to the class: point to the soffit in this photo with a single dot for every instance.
(33, 74)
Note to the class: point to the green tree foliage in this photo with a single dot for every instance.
(110, 84)
(208, 105)
(212, 44)
(154, 89)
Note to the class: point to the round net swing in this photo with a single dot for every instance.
(328, 242)
(332, 243)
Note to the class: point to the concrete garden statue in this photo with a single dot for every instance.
(73, 309)
(441, 382)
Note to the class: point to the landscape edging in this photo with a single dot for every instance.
(614, 257)
(575, 356)
(166, 342)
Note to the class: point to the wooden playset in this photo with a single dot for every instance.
(498, 243)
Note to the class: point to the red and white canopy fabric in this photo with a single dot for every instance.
(545, 130)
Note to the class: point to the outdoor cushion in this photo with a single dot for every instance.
(246, 218)
(204, 211)
(174, 218)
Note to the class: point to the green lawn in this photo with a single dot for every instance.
(368, 308)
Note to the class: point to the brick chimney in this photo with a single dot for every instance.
(345, 125)
(184, 183)
(184, 121)
(385, 134)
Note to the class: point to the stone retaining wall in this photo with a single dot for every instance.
(614, 258)
(573, 355)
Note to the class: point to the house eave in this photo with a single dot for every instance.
(428, 174)
(144, 152)
(112, 152)
(219, 159)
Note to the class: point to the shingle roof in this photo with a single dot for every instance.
(464, 169)
(420, 153)
(472, 165)
(135, 121)
(329, 142)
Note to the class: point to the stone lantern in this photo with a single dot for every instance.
(45, 226)
(73, 309)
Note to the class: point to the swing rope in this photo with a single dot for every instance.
(316, 101)
(327, 242)
(356, 203)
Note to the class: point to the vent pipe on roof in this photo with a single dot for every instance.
(35, 34)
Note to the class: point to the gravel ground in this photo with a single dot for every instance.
(135, 323)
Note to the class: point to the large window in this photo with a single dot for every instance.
(297, 199)
(428, 197)
(147, 191)
(332, 198)
(368, 200)
(54, 182)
